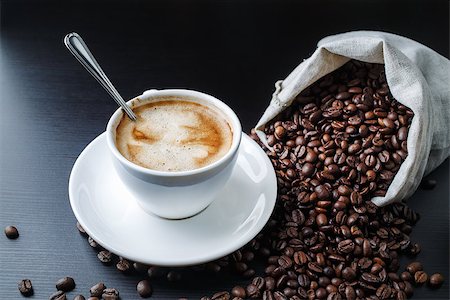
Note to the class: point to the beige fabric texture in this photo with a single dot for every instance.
(418, 77)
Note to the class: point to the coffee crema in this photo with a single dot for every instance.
(174, 135)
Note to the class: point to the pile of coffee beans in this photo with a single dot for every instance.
(338, 145)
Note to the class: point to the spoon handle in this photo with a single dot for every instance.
(79, 49)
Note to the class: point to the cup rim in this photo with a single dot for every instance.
(224, 108)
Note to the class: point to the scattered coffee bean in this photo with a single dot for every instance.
(173, 276)
(58, 295)
(79, 297)
(110, 294)
(420, 277)
(436, 280)
(123, 265)
(81, 229)
(428, 184)
(144, 288)
(65, 284)
(97, 290)
(11, 232)
(414, 267)
(140, 268)
(93, 243)
(105, 256)
(25, 287)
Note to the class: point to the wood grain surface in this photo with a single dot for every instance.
(50, 109)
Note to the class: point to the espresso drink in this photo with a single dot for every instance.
(174, 135)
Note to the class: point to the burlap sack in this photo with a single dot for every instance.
(418, 78)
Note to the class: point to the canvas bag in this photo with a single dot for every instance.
(417, 76)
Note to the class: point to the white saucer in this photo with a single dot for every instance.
(106, 210)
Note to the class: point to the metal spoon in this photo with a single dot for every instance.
(79, 49)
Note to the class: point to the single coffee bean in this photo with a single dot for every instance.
(252, 291)
(406, 276)
(436, 280)
(58, 295)
(238, 291)
(65, 284)
(97, 290)
(81, 229)
(384, 292)
(321, 220)
(346, 246)
(348, 274)
(11, 232)
(93, 243)
(79, 297)
(140, 268)
(173, 276)
(144, 289)
(414, 267)
(123, 265)
(420, 277)
(110, 294)
(25, 287)
(105, 256)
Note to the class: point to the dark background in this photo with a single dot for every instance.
(51, 109)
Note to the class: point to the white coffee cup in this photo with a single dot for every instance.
(181, 194)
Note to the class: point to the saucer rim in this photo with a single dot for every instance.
(179, 262)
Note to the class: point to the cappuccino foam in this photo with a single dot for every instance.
(174, 135)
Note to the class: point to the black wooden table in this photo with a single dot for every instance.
(50, 109)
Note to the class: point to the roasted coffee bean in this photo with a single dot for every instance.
(252, 291)
(259, 282)
(414, 267)
(79, 297)
(93, 243)
(11, 232)
(384, 292)
(322, 192)
(110, 294)
(436, 280)
(173, 276)
(65, 284)
(406, 276)
(144, 289)
(346, 246)
(105, 256)
(348, 274)
(123, 265)
(140, 268)
(81, 229)
(25, 287)
(156, 272)
(97, 290)
(420, 277)
(349, 293)
(284, 262)
(238, 291)
(321, 220)
(58, 295)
